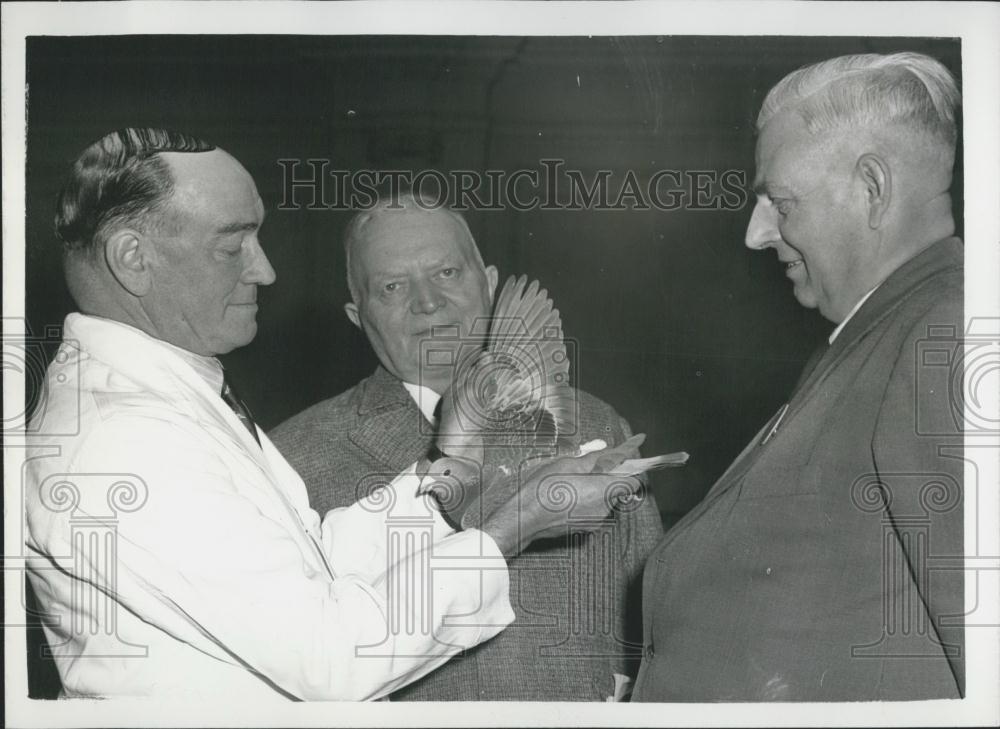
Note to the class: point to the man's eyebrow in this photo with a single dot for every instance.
(236, 228)
(763, 187)
(385, 273)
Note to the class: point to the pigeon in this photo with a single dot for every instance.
(511, 407)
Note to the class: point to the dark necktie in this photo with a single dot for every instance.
(235, 402)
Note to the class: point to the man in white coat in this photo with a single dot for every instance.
(173, 550)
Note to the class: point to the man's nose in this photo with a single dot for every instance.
(258, 269)
(426, 298)
(762, 230)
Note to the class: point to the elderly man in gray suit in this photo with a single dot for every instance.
(410, 269)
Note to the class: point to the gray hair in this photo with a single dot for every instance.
(403, 200)
(870, 90)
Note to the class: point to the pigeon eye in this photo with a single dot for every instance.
(446, 472)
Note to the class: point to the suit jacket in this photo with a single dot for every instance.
(575, 599)
(813, 569)
(174, 557)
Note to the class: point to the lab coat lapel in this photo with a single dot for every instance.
(149, 365)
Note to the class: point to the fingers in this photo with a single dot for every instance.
(582, 503)
(630, 448)
(607, 459)
(606, 462)
(591, 457)
(624, 492)
(635, 466)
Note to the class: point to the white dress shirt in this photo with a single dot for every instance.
(426, 399)
(852, 312)
(176, 557)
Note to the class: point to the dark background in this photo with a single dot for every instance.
(693, 338)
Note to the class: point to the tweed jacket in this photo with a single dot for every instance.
(576, 599)
(816, 567)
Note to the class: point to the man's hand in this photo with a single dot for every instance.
(561, 495)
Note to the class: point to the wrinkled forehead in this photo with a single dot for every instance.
(408, 232)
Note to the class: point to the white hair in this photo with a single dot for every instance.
(405, 200)
(870, 89)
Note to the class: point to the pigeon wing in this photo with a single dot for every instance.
(528, 368)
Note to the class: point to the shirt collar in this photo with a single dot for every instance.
(425, 398)
(851, 313)
(209, 369)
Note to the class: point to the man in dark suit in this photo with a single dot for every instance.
(576, 635)
(812, 570)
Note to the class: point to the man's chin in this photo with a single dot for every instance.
(805, 296)
(235, 342)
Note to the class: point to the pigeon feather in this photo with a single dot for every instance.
(526, 356)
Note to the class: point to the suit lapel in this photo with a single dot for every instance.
(391, 428)
(941, 256)
(887, 298)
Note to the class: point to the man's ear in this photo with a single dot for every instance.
(492, 276)
(877, 180)
(351, 309)
(127, 256)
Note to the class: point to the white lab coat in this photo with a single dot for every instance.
(173, 556)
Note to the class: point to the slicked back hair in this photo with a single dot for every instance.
(870, 90)
(406, 199)
(118, 181)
